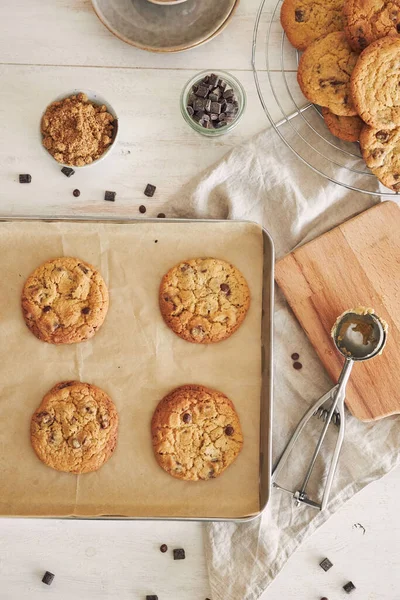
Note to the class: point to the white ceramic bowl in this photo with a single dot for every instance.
(96, 99)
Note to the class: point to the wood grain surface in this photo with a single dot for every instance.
(355, 264)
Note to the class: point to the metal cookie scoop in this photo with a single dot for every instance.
(358, 335)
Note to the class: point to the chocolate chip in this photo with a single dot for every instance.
(46, 308)
(229, 430)
(142, 209)
(25, 178)
(76, 193)
(67, 171)
(85, 310)
(44, 418)
(299, 16)
(295, 356)
(225, 289)
(362, 42)
(211, 473)
(179, 554)
(382, 135)
(396, 176)
(297, 366)
(83, 268)
(186, 418)
(349, 587)
(110, 196)
(324, 598)
(398, 27)
(326, 564)
(155, 241)
(161, 216)
(48, 578)
(152, 597)
(61, 386)
(163, 548)
(104, 423)
(377, 152)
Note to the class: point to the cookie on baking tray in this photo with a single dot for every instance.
(196, 433)
(344, 128)
(381, 151)
(366, 21)
(375, 84)
(64, 301)
(204, 300)
(304, 21)
(324, 73)
(75, 428)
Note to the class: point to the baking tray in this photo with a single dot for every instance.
(265, 350)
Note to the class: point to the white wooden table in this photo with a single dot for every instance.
(51, 46)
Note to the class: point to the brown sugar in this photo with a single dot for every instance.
(76, 131)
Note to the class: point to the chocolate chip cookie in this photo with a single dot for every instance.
(304, 21)
(381, 151)
(324, 73)
(75, 428)
(344, 128)
(366, 21)
(204, 300)
(196, 433)
(375, 84)
(64, 301)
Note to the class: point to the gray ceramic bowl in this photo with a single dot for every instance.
(164, 28)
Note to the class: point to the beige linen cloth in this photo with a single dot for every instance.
(263, 181)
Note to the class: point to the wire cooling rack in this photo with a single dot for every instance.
(298, 122)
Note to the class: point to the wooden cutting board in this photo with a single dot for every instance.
(357, 263)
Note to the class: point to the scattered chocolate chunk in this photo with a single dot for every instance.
(349, 587)
(297, 366)
(324, 598)
(46, 308)
(67, 171)
(161, 216)
(187, 418)
(149, 191)
(326, 564)
(142, 209)
(25, 178)
(163, 548)
(225, 288)
(85, 310)
(295, 356)
(229, 430)
(179, 554)
(76, 193)
(152, 597)
(110, 196)
(299, 16)
(156, 241)
(48, 578)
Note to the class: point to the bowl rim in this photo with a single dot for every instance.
(165, 50)
(96, 98)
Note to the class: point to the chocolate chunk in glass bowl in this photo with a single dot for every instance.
(202, 91)
(190, 110)
(213, 80)
(150, 190)
(48, 578)
(25, 178)
(179, 554)
(326, 564)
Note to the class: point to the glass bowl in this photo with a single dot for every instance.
(233, 84)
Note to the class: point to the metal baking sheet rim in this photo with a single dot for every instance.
(267, 359)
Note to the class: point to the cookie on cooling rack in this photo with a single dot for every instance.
(324, 73)
(304, 21)
(381, 151)
(375, 84)
(347, 129)
(366, 21)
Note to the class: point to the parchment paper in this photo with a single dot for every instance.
(136, 359)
